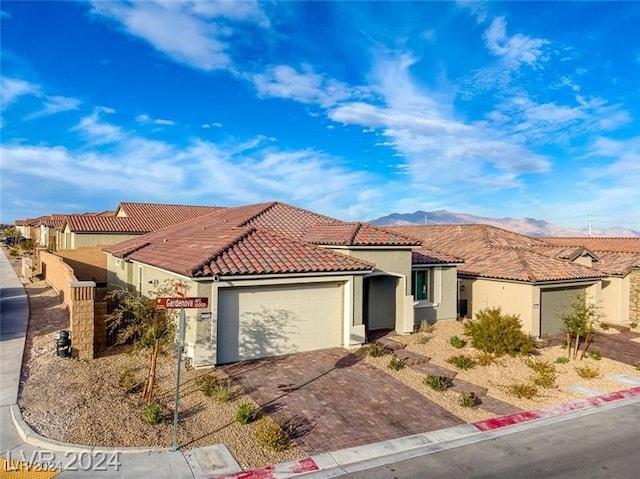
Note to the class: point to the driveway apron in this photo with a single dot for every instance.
(335, 400)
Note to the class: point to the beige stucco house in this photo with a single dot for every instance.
(280, 279)
(517, 273)
(616, 258)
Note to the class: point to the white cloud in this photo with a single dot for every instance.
(439, 148)
(97, 132)
(283, 81)
(55, 104)
(13, 88)
(147, 120)
(215, 124)
(193, 33)
(514, 50)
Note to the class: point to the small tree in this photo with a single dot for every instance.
(581, 319)
(150, 330)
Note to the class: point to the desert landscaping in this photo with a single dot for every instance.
(97, 402)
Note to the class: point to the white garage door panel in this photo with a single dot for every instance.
(256, 322)
(554, 303)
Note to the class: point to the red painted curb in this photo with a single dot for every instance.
(306, 464)
(511, 419)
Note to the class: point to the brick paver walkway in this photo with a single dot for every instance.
(337, 401)
(618, 347)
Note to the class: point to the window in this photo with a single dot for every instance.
(420, 285)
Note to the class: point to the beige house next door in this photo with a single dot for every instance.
(261, 321)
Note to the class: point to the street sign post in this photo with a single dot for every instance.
(181, 302)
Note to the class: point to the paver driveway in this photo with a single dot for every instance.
(336, 400)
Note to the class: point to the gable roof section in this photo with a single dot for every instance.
(140, 218)
(493, 252)
(228, 250)
(248, 240)
(621, 245)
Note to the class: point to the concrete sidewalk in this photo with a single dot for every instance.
(18, 442)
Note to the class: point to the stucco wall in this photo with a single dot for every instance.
(513, 298)
(615, 299)
(446, 308)
(87, 263)
(86, 240)
(392, 261)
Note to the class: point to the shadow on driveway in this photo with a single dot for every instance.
(336, 401)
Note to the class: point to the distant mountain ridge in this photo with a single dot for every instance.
(526, 226)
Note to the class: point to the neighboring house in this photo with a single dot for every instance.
(512, 271)
(619, 260)
(129, 220)
(280, 279)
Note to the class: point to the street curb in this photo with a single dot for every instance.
(333, 464)
(29, 436)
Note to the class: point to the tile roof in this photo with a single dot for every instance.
(140, 218)
(264, 238)
(615, 263)
(493, 252)
(356, 234)
(621, 245)
(427, 256)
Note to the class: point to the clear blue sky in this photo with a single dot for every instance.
(353, 109)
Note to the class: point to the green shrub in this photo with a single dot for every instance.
(218, 389)
(496, 333)
(522, 390)
(274, 436)
(467, 400)
(435, 382)
(246, 413)
(461, 361)
(633, 325)
(152, 413)
(376, 350)
(457, 342)
(595, 355)
(587, 372)
(395, 364)
(545, 373)
(562, 360)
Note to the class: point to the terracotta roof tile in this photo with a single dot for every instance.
(621, 245)
(355, 234)
(228, 250)
(265, 238)
(492, 252)
(427, 256)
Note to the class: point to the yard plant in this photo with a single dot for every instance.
(497, 333)
(545, 373)
(587, 372)
(152, 413)
(273, 436)
(395, 364)
(580, 320)
(246, 413)
(467, 400)
(522, 390)
(462, 361)
(437, 383)
(220, 390)
(376, 350)
(457, 342)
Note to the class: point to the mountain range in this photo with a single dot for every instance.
(526, 226)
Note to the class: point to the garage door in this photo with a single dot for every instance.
(256, 322)
(555, 302)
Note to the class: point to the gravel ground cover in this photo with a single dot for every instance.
(82, 401)
(499, 375)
